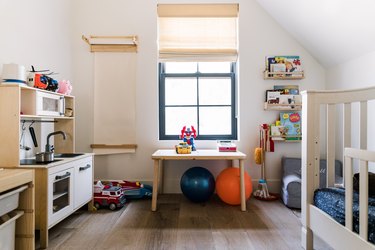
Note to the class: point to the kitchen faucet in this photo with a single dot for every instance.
(49, 148)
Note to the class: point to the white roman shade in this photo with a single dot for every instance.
(197, 32)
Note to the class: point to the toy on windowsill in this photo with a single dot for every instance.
(188, 135)
(108, 196)
(131, 190)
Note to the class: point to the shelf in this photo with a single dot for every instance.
(296, 75)
(283, 107)
(277, 138)
(23, 87)
(59, 194)
(46, 117)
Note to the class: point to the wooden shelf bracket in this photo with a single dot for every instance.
(112, 43)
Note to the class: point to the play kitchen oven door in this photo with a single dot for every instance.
(49, 104)
(60, 195)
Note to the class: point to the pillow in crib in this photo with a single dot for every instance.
(371, 183)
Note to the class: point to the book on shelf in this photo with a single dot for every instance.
(283, 94)
(291, 121)
(286, 66)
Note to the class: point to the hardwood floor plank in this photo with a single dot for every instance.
(194, 227)
(181, 224)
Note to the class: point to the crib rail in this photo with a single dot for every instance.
(364, 156)
(312, 101)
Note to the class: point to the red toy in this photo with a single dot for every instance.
(188, 136)
(107, 195)
(131, 190)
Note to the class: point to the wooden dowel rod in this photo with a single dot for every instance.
(130, 146)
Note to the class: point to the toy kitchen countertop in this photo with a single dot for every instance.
(59, 159)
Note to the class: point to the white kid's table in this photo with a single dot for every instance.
(203, 154)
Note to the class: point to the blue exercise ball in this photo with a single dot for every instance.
(197, 184)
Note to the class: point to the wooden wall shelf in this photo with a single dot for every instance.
(108, 149)
(112, 43)
(283, 107)
(296, 75)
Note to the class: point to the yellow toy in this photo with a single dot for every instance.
(183, 148)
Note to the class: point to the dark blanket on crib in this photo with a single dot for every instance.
(332, 201)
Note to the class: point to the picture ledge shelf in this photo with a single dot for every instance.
(282, 107)
(296, 75)
(112, 43)
(108, 149)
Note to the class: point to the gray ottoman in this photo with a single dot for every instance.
(291, 179)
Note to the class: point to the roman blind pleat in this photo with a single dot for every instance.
(197, 32)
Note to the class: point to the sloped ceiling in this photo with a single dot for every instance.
(333, 31)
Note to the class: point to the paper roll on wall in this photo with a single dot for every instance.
(13, 72)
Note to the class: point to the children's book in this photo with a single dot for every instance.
(291, 121)
(284, 64)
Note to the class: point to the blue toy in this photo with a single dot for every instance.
(197, 184)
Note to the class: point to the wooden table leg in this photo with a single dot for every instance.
(161, 177)
(155, 185)
(242, 185)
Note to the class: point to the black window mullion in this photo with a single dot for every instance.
(162, 119)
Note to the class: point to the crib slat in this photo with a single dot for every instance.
(331, 138)
(363, 199)
(348, 192)
(347, 128)
(363, 125)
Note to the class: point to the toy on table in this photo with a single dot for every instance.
(108, 195)
(188, 135)
(183, 148)
(131, 190)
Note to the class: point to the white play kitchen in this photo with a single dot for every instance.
(63, 178)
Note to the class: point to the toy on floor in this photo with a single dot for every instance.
(266, 144)
(197, 184)
(188, 135)
(108, 196)
(131, 190)
(228, 186)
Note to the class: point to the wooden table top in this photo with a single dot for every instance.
(202, 154)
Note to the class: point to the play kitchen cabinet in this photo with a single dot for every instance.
(62, 187)
(22, 103)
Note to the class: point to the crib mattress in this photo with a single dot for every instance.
(332, 201)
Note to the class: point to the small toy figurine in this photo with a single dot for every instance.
(188, 136)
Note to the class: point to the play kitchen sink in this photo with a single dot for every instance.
(67, 155)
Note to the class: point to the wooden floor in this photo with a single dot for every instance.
(181, 224)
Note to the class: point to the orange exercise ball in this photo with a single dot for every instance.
(228, 186)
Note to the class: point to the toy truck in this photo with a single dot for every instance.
(131, 190)
(108, 196)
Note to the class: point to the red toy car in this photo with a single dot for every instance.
(106, 195)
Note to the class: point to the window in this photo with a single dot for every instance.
(199, 94)
(197, 45)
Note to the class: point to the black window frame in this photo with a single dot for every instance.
(162, 76)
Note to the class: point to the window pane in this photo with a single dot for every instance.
(177, 117)
(180, 91)
(215, 121)
(214, 67)
(215, 91)
(180, 67)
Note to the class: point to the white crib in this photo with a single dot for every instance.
(314, 220)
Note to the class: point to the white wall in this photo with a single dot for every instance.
(356, 73)
(61, 49)
(36, 33)
(259, 36)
